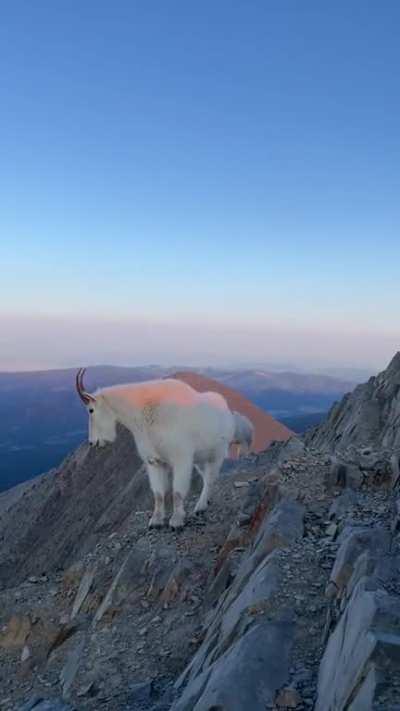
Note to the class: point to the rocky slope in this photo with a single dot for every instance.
(48, 522)
(284, 595)
(368, 416)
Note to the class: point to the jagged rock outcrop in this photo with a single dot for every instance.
(237, 665)
(368, 416)
(360, 667)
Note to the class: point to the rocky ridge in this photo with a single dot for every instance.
(285, 595)
(367, 417)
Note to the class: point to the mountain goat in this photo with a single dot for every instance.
(244, 432)
(174, 427)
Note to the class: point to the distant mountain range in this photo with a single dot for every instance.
(42, 419)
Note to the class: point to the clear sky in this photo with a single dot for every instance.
(199, 181)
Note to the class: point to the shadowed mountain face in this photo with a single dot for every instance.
(42, 420)
(47, 522)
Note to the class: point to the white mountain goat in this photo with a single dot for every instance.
(174, 427)
(244, 432)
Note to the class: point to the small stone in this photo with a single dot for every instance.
(143, 631)
(288, 698)
(26, 653)
(331, 530)
(85, 689)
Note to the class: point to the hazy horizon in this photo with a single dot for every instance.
(39, 343)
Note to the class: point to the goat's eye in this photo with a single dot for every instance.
(91, 410)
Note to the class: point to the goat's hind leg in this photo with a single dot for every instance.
(206, 473)
(210, 472)
(158, 476)
(182, 475)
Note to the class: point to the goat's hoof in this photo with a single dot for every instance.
(176, 522)
(200, 509)
(156, 522)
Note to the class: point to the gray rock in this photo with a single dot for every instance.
(294, 447)
(395, 465)
(39, 704)
(281, 528)
(365, 696)
(396, 516)
(257, 579)
(343, 474)
(83, 591)
(343, 504)
(140, 692)
(71, 666)
(31, 703)
(239, 608)
(247, 676)
(251, 502)
(367, 416)
(366, 635)
(355, 542)
(131, 572)
(220, 582)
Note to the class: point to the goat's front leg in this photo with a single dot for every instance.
(182, 473)
(158, 477)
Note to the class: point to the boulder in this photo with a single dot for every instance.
(370, 543)
(343, 504)
(16, 632)
(367, 636)
(247, 676)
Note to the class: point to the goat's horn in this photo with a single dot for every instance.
(84, 396)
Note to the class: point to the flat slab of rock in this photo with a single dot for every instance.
(367, 636)
(247, 676)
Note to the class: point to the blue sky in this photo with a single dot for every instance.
(227, 169)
